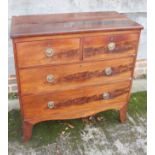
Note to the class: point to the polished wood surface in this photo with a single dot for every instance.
(73, 35)
(97, 47)
(90, 69)
(123, 113)
(27, 130)
(23, 26)
(34, 80)
(75, 103)
(34, 53)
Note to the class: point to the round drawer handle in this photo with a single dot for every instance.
(108, 71)
(49, 52)
(50, 104)
(111, 46)
(106, 96)
(50, 78)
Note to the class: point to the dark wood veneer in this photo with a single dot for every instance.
(23, 26)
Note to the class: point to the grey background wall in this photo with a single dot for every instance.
(134, 9)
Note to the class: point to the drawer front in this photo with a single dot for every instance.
(53, 78)
(48, 52)
(110, 46)
(76, 103)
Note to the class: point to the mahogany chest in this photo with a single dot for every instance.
(73, 65)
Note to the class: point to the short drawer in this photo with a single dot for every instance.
(76, 103)
(62, 77)
(57, 51)
(110, 46)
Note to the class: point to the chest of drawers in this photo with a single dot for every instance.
(73, 65)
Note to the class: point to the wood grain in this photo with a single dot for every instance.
(33, 53)
(27, 130)
(23, 26)
(73, 35)
(81, 56)
(34, 80)
(123, 113)
(68, 105)
(97, 47)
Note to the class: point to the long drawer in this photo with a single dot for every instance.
(56, 51)
(76, 103)
(62, 77)
(110, 46)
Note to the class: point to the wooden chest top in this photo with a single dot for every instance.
(38, 25)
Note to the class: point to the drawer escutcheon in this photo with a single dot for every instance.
(49, 52)
(106, 96)
(111, 46)
(50, 78)
(108, 71)
(51, 104)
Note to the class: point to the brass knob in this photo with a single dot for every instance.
(106, 96)
(49, 52)
(108, 71)
(111, 46)
(50, 104)
(50, 78)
